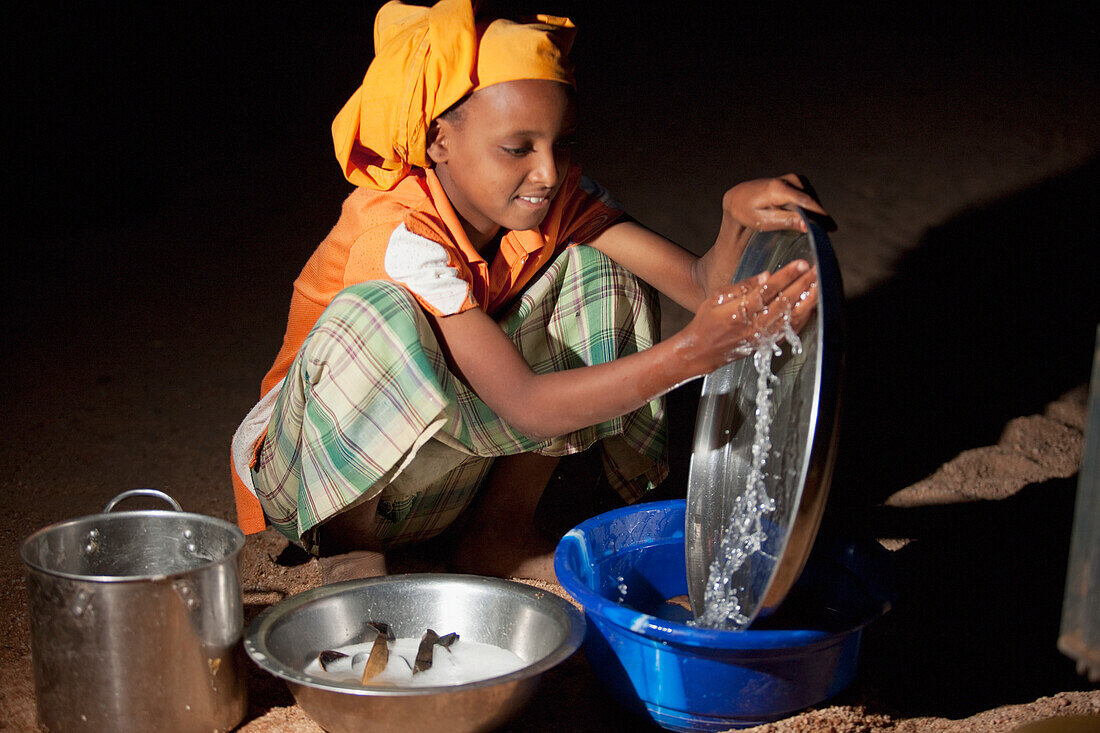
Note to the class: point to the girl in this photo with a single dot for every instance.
(480, 310)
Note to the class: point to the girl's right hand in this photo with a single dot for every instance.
(730, 323)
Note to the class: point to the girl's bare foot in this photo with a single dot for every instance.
(352, 566)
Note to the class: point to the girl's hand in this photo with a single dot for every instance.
(765, 204)
(730, 323)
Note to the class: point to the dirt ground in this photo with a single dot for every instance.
(174, 172)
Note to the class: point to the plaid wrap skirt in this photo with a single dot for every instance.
(370, 407)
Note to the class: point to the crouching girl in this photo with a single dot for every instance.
(480, 310)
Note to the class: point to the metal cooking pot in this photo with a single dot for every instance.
(137, 621)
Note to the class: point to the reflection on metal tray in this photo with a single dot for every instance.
(803, 435)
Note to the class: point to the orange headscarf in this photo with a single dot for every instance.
(426, 59)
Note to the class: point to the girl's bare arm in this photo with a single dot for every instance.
(727, 319)
(544, 405)
(765, 204)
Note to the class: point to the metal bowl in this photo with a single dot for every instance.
(538, 626)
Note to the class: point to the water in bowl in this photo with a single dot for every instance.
(464, 661)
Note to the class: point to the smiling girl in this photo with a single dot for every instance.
(481, 310)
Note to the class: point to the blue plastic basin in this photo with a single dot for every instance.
(623, 565)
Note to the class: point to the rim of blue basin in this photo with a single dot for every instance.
(670, 632)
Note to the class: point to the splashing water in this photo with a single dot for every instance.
(744, 534)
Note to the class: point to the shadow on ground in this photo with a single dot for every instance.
(990, 317)
(979, 606)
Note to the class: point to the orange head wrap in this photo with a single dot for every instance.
(426, 60)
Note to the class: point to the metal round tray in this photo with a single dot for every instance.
(805, 404)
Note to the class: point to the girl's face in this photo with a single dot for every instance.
(502, 158)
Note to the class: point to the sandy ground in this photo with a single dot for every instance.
(174, 174)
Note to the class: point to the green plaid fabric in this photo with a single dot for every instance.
(370, 407)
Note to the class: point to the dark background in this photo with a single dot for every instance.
(175, 162)
(125, 114)
(170, 169)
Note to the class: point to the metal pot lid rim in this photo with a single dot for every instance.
(712, 476)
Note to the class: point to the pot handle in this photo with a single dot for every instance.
(142, 492)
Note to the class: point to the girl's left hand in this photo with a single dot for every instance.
(767, 204)
(764, 204)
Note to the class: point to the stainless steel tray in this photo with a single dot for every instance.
(803, 436)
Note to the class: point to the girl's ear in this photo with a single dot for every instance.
(437, 148)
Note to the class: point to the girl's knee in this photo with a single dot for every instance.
(376, 301)
(606, 275)
(373, 316)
